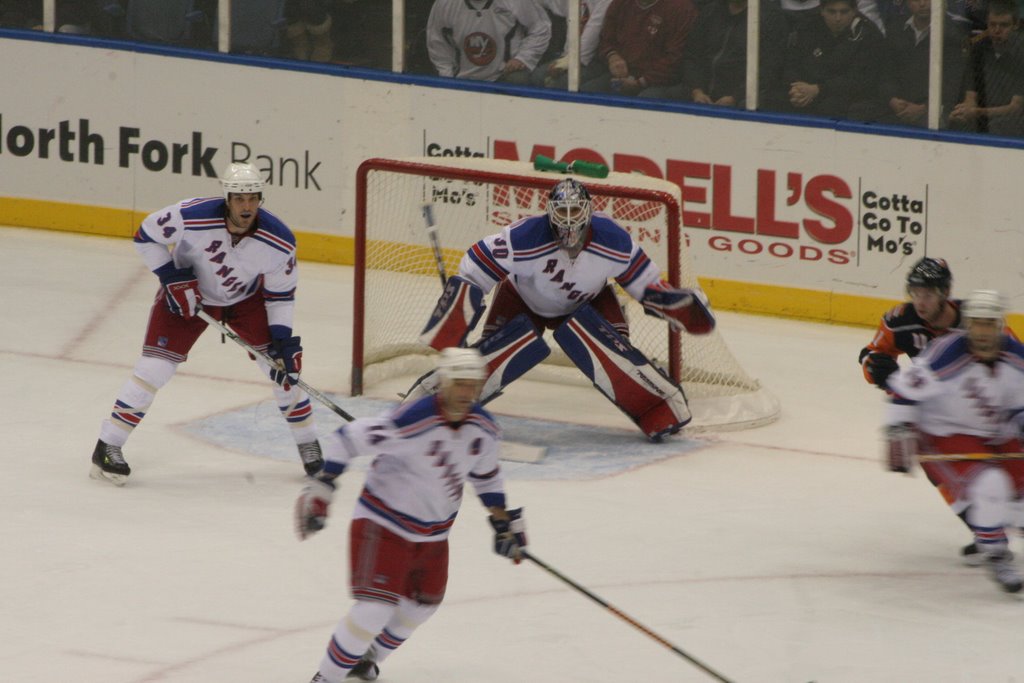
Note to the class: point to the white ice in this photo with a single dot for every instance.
(779, 554)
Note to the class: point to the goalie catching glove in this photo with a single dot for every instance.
(510, 535)
(312, 507)
(181, 291)
(683, 309)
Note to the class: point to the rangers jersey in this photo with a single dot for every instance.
(953, 392)
(550, 282)
(475, 38)
(421, 463)
(192, 234)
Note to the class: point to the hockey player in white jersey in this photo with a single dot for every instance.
(424, 453)
(236, 261)
(487, 40)
(967, 391)
(551, 272)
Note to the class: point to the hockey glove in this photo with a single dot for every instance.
(879, 367)
(901, 447)
(683, 309)
(312, 507)
(181, 291)
(510, 535)
(287, 353)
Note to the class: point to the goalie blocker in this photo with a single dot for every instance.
(456, 313)
(623, 374)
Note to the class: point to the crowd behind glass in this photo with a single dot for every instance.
(860, 60)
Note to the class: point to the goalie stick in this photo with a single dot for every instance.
(435, 244)
(230, 334)
(625, 617)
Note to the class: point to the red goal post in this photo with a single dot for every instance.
(396, 279)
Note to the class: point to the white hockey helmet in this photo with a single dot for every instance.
(986, 304)
(242, 178)
(459, 363)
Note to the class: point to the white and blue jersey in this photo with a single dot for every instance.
(421, 464)
(953, 392)
(193, 234)
(550, 282)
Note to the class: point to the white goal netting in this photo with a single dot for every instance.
(397, 282)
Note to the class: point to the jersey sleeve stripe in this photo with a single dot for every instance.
(141, 236)
(482, 257)
(640, 261)
(279, 296)
(203, 223)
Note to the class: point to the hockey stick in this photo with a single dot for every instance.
(954, 457)
(428, 218)
(628, 619)
(230, 334)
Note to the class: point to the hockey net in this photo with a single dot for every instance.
(397, 282)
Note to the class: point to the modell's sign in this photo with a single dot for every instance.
(772, 213)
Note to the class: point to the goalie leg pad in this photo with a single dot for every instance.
(624, 375)
(683, 309)
(456, 313)
(509, 353)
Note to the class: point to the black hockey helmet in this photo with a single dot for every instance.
(930, 272)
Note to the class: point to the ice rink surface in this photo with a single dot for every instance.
(783, 554)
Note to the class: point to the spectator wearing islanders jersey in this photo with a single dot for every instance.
(234, 260)
(487, 40)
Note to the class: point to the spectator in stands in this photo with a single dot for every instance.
(23, 14)
(642, 44)
(487, 40)
(309, 30)
(993, 99)
(553, 73)
(799, 13)
(831, 64)
(361, 30)
(903, 88)
(103, 18)
(715, 62)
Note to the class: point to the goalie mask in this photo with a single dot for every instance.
(242, 179)
(569, 213)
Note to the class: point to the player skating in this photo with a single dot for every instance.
(236, 260)
(424, 453)
(551, 272)
(966, 395)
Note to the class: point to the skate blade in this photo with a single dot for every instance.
(116, 479)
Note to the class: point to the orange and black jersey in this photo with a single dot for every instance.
(902, 330)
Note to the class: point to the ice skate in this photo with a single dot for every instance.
(972, 557)
(108, 464)
(1004, 573)
(366, 669)
(311, 456)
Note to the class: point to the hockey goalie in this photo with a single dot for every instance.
(552, 272)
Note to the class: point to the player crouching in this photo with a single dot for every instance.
(551, 272)
(967, 392)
